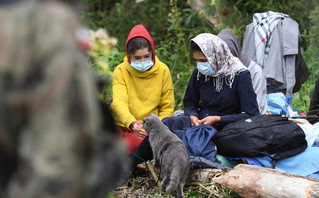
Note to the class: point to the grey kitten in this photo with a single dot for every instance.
(170, 151)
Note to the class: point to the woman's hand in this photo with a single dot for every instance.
(194, 120)
(209, 120)
(299, 121)
(137, 129)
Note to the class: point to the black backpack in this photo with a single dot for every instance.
(261, 135)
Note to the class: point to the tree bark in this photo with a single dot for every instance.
(256, 181)
(202, 175)
(198, 5)
(195, 175)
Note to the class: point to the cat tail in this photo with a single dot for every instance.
(174, 179)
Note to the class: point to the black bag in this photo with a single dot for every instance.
(261, 135)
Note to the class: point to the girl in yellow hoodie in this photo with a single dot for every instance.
(142, 84)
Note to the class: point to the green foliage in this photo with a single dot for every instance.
(173, 23)
(238, 13)
(173, 49)
(311, 55)
(210, 190)
(113, 59)
(301, 100)
(126, 14)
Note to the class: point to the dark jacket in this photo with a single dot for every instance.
(313, 111)
(232, 104)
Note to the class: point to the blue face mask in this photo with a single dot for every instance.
(205, 68)
(142, 66)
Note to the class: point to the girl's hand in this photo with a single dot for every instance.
(209, 120)
(194, 120)
(137, 129)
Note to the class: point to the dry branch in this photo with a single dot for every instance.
(210, 191)
(150, 167)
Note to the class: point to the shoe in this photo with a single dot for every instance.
(124, 181)
(126, 176)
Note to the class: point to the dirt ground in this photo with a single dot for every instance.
(144, 185)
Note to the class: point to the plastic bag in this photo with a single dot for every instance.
(277, 104)
(292, 111)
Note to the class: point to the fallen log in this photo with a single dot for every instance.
(195, 175)
(202, 175)
(256, 181)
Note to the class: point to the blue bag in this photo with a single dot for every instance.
(177, 124)
(198, 141)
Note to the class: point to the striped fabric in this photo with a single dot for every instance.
(264, 24)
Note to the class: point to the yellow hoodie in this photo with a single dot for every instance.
(137, 94)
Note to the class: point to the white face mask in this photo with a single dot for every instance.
(205, 68)
(142, 66)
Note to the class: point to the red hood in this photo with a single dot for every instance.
(140, 31)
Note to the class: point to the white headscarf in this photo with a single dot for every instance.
(226, 65)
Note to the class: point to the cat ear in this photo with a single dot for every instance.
(152, 114)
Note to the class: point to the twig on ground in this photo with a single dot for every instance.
(210, 191)
(150, 167)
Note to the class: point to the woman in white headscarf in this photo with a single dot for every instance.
(220, 88)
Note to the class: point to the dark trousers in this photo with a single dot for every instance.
(143, 153)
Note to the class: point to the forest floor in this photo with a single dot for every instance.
(144, 185)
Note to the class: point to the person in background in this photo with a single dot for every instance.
(219, 90)
(310, 124)
(142, 84)
(54, 141)
(312, 114)
(258, 77)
